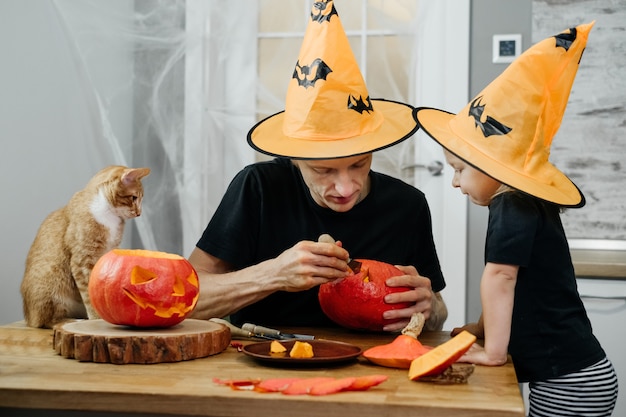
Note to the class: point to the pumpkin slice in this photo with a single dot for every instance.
(301, 350)
(441, 357)
(275, 384)
(332, 387)
(404, 348)
(276, 348)
(365, 382)
(238, 384)
(303, 386)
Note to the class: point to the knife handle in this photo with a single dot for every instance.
(235, 332)
(254, 329)
(326, 238)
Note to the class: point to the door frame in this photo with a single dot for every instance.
(443, 82)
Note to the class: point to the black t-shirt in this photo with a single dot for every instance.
(267, 209)
(551, 334)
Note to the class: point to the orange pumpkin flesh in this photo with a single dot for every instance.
(357, 301)
(404, 348)
(397, 354)
(302, 386)
(143, 288)
(441, 357)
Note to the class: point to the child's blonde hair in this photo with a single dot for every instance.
(503, 189)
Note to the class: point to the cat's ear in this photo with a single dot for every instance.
(132, 175)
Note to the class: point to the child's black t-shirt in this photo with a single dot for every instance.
(551, 334)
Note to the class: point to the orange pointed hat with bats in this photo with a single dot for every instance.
(328, 111)
(506, 131)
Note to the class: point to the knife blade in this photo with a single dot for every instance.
(353, 264)
(273, 333)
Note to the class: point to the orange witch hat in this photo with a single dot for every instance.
(328, 111)
(506, 131)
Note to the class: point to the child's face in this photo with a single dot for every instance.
(479, 187)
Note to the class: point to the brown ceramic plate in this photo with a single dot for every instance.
(324, 352)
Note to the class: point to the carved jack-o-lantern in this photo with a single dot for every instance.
(143, 288)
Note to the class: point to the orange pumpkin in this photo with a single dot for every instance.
(357, 301)
(143, 288)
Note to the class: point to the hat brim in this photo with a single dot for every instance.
(560, 190)
(399, 124)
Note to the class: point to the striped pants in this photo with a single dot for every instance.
(589, 392)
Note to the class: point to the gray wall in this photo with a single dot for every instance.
(488, 18)
(49, 139)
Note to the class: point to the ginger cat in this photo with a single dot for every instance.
(70, 241)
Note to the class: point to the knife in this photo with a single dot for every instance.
(261, 331)
(237, 333)
(353, 264)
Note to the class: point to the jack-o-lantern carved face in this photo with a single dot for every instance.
(143, 288)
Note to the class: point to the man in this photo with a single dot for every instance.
(259, 259)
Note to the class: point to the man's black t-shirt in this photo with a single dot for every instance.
(268, 208)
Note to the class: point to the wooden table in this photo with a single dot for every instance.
(33, 376)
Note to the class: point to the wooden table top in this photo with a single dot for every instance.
(32, 375)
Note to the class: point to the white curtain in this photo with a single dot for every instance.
(184, 90)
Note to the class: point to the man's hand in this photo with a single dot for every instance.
(422, 297)
(303, 266)
(308, 264)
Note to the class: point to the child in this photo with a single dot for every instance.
(499, 147)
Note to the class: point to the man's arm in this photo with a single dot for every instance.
(438, 313)
(224, 291)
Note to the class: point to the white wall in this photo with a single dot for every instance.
(44, 124)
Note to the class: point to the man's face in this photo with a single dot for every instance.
(338, 184)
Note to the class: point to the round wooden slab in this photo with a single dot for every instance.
(103, 342)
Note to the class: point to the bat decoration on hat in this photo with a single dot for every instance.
(329, 112)
(302, 73)
(490, 126)
(359, 104)
(530, 96)
(565, 40)
(324, 12)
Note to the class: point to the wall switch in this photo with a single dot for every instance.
(506, 48)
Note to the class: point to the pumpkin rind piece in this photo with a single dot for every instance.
(275, 384)
(441, 357)
(404, 348)
(397, 354)
(332, 387)
(303, 386)
(365, 382)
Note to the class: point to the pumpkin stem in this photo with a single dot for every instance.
(415, 326)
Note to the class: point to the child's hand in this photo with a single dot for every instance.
(478, 355)
(474, 328)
